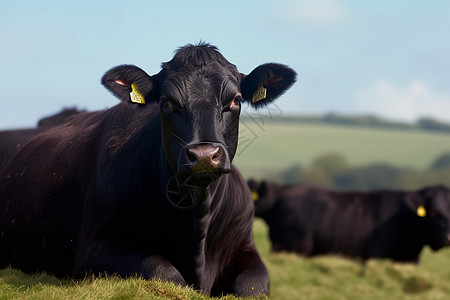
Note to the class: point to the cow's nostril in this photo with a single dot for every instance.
(191, 156)
(216, 154)
(204, 157)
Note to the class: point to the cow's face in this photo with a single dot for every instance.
(200, 96)
(436, 214)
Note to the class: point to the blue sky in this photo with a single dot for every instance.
(387, 58)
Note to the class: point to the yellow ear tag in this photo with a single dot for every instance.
(135, 95)
(255, 195)
(260, 94)
(421, 211)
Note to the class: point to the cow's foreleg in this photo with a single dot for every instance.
(156, 267)
(252, 277)
(151, 267)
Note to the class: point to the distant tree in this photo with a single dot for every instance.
(291, 175)
(332, 164)
(315, 176)
(332, 170)
(431, 124)
(363, 120)
(441, 163)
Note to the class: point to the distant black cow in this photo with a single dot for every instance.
(383, 224)
(145, 188)
(12, 140)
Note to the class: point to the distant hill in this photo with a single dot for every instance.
(427, 124)
(270, 145)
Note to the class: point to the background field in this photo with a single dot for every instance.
(268, 146)
(271, 147)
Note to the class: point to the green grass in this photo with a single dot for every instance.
(272, 146)
(292, 277)
(17, 285)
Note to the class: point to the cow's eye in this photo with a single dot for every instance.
(236, 101)
(166, 105)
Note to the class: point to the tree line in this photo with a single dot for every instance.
(427, 124)
(334, 171)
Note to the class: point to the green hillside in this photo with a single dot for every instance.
(272, 146)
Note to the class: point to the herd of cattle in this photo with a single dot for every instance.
(90, 192)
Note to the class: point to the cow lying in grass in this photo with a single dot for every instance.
(148, 186)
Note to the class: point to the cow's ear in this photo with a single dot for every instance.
(266, 83)
(253, 185)
(128, 83)
(416, 202)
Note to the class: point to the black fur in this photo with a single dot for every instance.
(384, 224)
(12, 140)
(141, 189)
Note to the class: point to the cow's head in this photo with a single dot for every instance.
(435, 212)
(200, 95)
(264, 196)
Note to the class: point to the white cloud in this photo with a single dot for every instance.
(406, 103)
(314, 12)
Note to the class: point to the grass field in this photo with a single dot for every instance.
(292, 277)
(272, 146)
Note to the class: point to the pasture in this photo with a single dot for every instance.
(267, 146)
(273, 147)
(292, 277)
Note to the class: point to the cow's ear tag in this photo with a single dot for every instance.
(135, 95)
(260, 94)
(421, 211)
(255, 195)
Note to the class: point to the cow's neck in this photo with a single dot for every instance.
(206, 214)
(193, 225)
(201, 219)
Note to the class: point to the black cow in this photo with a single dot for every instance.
(380, 224)
(145, 188)
(12, 140)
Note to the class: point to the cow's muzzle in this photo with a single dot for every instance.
(203, 162)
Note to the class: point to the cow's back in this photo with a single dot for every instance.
(320, 221)
(13, 140)
(351, 220)
(38, 226)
